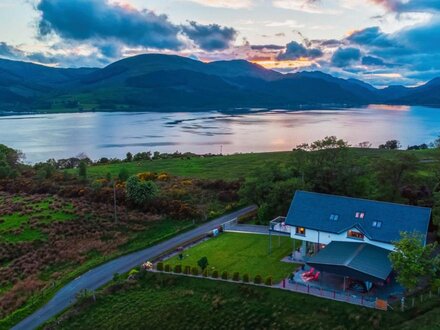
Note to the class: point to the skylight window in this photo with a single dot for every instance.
(377, 224)
(334, 217)
(360, 215)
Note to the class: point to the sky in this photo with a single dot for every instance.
(383, 42)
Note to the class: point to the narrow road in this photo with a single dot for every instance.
(101, 275)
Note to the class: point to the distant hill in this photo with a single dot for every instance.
(169, 82)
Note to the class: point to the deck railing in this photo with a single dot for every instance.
(347, 297)
(279, 225)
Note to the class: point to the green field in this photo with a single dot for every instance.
(14, 227)
(243, 253)
(178, 302)
(240, 165)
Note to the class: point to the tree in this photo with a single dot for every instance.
(44, 170)
(328, 166)
(123, 174)
(129, 157)
(436, 211)
(414, 262)
(436, 143)
(392, 174)
(10, 156)
(203, 263)
(82, 169)
(140, 192)
(391, 145)
(365, 145)
(9, 162)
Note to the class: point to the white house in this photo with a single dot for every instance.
(350, 236)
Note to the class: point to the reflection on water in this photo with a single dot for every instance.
(114, 134)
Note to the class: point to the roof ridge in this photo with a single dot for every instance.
(362, 199)
(355, 253)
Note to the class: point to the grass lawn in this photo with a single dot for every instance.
(238, 166)
(177, 302)
(243, 253)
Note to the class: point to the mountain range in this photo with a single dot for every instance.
(167, 82)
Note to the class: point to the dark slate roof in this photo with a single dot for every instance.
(313, 211)
(357, 260)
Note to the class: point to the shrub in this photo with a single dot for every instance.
(123, 174)
(195, 271)
(133, 273)
(214, 274)
(187, 270)
(168, 268)
(258, 279)
(116, 277)
(140, 192)
(203, 263)
(82, 170)
(236, 276)
(178, 269)
(246, 278)
(205, 273)
(159, 266)
(268, 281)
(225, 275)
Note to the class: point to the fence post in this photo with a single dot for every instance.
(284, 283)
(308, 288)
(362, 300)
(334, 294)
(402, 302)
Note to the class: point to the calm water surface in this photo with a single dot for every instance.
(42, 137)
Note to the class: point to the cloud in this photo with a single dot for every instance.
(232, 4)
(289, 23)
(372, 61)
(371, 36)
(295, 51)
(307, 6)
(409, 5)
(9, 51)
(210, 37)
(86, 20)
(344, 57)
(267, 47)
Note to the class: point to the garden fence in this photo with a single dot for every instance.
(410, 302)
(371, 302)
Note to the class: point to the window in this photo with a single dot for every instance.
(355, 234)
(300, 231)
(360, 215)
(334, 217)
(377, 224)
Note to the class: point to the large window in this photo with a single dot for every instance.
(300, 231)
(355, 235)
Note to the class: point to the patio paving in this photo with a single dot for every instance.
(331, 282)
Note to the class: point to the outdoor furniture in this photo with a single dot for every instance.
(308, 276)
(309, 273)
(315, 277)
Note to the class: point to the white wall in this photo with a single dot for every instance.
(315, 236)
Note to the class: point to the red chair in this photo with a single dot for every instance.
(309, 273)
(315, 277)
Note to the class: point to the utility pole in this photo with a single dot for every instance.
(221, 149)
(114, 200)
